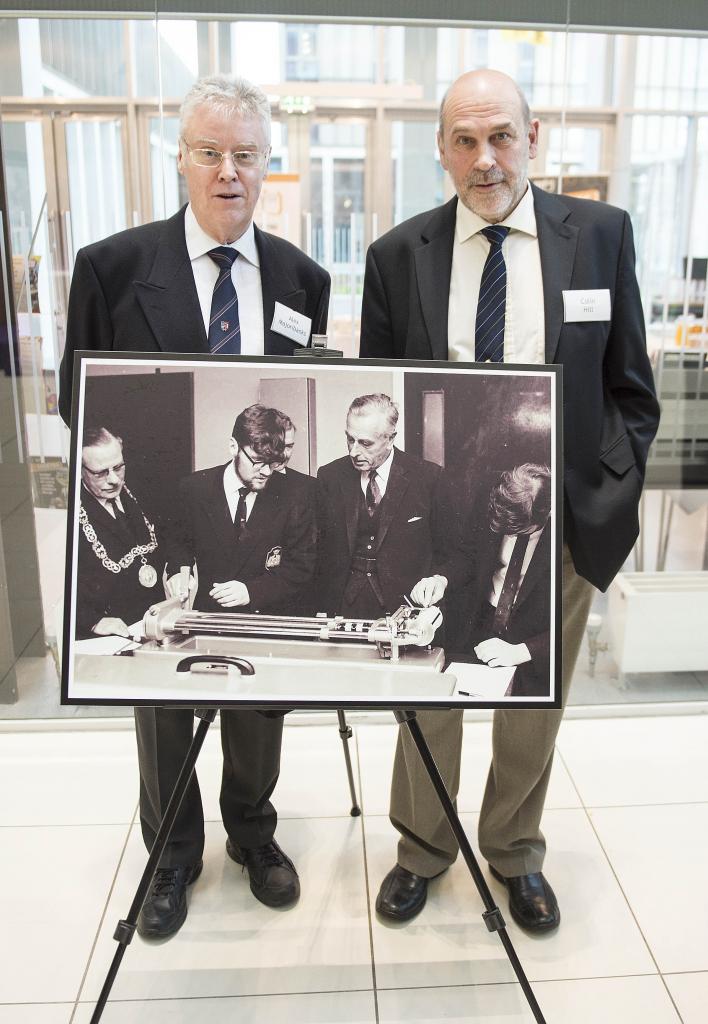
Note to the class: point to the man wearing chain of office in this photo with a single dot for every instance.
(119, 556)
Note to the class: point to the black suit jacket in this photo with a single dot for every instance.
(274, 557)
(530, 617)
(610, 412)
(101, 593)
(418, 532)
(135, 292)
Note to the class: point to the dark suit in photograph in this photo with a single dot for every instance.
(529, 619)
(414, 534)
(101, 593)
(610, 416)
(135, 292)
(274, 555)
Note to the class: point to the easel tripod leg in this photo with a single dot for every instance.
(126, 928)
(345, 732)
(492, 916)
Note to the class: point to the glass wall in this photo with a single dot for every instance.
(89, 118)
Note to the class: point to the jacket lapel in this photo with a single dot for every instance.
(398, 481)
(168, 297)
(350, 485)
(277, 286)
(557, 242)
(539, 566)
(216, 510)
(433, 267)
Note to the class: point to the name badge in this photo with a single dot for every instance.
(581, 305)
(287, 322)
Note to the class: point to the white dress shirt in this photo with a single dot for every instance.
(382, 473)
(232, 482)
(245, 274)
(524, 328)
(505, 552)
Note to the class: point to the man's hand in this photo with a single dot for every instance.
(499, 654)
(429, 591)
(232, 594)
(174, 587)
(110, 627)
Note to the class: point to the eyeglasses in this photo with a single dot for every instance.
(273, 464)
(102, 474)
(242, 159)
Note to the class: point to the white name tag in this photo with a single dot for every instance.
(287, 322)
(586, 305)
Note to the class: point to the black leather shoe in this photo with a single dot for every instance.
(272, 874)
(165, 908)
(532, 902)
(402, 894)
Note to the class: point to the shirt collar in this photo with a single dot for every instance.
(522, 218)
(232, 481)
(384, 469)
(199, 242)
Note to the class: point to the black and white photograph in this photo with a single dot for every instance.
(311, 533)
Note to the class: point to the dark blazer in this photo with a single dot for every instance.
(417, 535)
(274, 557)
(135, 292)
(610, 411)
(530, 617)
(104, 594)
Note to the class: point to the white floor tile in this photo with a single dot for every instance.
(313, 776)
(377, 744)
(690, 993)
(625, 761)
(610, 1000)
(36, 1013)
(55, 885)
(659, 854)
(233, 945)
(68, 778)
(318, 1008)
(448, 944)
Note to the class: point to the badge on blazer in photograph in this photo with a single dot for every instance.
(273, 557)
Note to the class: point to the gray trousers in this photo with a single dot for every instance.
(510, 836)
(251, 747)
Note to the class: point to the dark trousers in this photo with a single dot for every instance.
(251, 747)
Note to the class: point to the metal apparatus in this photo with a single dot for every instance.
(168, 621)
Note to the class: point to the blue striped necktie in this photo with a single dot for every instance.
(224, 327)
(491, 305)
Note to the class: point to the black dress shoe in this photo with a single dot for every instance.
(532, 902)
(402, 894)
(165, 908)
(272, 874)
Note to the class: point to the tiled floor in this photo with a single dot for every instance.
(627, 828)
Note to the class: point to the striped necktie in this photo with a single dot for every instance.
(491, 304)
(224, 327)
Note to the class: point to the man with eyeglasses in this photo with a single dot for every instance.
(120, 558)
(207, 279)
(251, 535)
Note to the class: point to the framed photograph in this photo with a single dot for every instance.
(313, 533)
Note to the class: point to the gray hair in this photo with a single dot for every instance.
(227, 93)
(523, 103)
(98, 435)
(375, 403)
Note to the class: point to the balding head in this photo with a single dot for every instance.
(486, 138)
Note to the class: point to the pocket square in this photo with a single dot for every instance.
(415, 519)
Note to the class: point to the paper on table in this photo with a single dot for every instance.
(104, 645)
(480, 680)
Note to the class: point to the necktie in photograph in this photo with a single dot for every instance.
(373, 493)
(511, 584)
(119, 516)
(491, 304)
(224, 327)
(241, 512)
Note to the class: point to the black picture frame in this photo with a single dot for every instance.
(494, 418)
